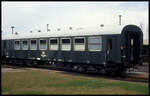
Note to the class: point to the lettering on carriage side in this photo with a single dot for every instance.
(69, 60)
(7, 55)
(87, 61)
(32, 57)
(60, 59)
(104, 63)
(38, 58)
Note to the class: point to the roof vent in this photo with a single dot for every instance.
(16, 33)
(30, 31)
(48, 30)
(79, 28)
(102, 25)
(70, 28)
(58, 29)
(39, 30)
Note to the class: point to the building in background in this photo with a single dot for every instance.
(145, 50)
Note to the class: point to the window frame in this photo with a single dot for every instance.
(40, 44)
(53, 44)
(95, 43)
(27, 44)
(30, 44)
(19, 44)
(65, 43)
(79, 43)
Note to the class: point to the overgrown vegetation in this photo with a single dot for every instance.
(54, 82)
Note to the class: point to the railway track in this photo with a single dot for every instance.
(127, 77)
(138, 76)
(131, 76)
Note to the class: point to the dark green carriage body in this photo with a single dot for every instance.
(86, 56)
(122, 51)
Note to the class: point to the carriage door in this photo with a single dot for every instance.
(132, 50)
(135, 48)
(109, 49)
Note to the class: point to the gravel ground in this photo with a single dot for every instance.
(143, 68)
(25, 69)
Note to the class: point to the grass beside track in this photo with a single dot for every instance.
(55, 82)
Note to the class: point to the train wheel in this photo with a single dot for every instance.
(79, 68)
(69, 67)
(120, 72)
(108, 72)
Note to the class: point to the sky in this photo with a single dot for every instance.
(33, 16)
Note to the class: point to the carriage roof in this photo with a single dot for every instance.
(106, 30)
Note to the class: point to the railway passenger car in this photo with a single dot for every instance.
(112, 49)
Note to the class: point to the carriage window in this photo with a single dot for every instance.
(80, 40)
(79, 44)
(17, 45)
(65, 44)
(53, 41)
(43, 44)
(25, 45)
(95, 43)
(65, 41)
(33, 45)
(53, 45)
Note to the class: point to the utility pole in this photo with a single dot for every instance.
(47, 28)
(120, 19)
(58, 29)
(12, 27)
